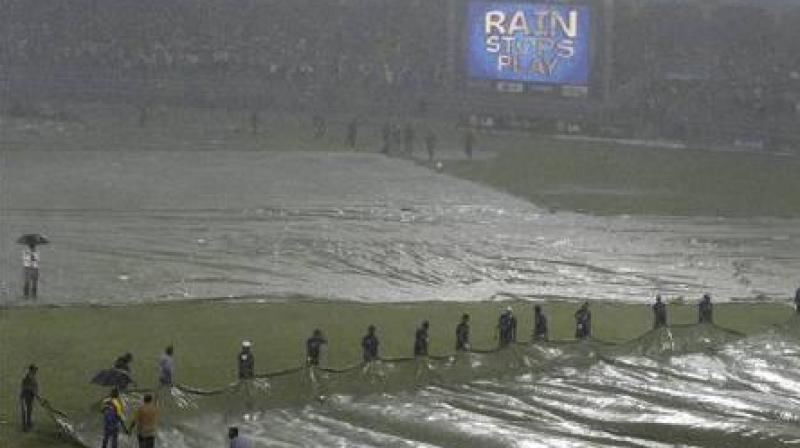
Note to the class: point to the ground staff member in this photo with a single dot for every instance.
(369, 345)
(247, 362)
(113, 419)
(166, 368)
(28, 392)
(145, 418)
(462, 334)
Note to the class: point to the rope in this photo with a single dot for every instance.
(205, 392)
(280, 373)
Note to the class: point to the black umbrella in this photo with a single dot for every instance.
(112, 377)
(32, 239)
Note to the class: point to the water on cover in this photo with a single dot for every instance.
(166, 225)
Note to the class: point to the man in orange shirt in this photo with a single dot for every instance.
(145, 417)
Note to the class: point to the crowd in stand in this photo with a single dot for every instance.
(357, 42)
(735, 66)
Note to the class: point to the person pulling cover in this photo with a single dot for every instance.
(797, 300)
(462, 334)
(28, 392)
(313, 346)
(539, 324)
(421, 340)
(113, 419)
(705, 310)
(507, 327)
(659, 313)
(145, 419)
(583, 322)
(247, 362)
(166, 368)
(369, 345)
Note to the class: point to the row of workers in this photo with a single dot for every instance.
(506, 333)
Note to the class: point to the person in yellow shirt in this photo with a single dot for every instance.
(113, 419)
(145, 418)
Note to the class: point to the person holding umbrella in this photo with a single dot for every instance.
(118, 376)
(30, 263)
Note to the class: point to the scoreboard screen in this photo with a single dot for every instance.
(528, 42)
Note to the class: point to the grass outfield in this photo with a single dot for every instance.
(70, 344)
(608, 178)
(113, 127)
(600, 177)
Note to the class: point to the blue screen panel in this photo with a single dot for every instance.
(530, 42)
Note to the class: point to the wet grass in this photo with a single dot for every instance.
(606, 178)
(115, 127)
(598, 177)
(70, 344)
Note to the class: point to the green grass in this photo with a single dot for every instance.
(70, 344)
(603, 178)
(610, 179)
(115, 127)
